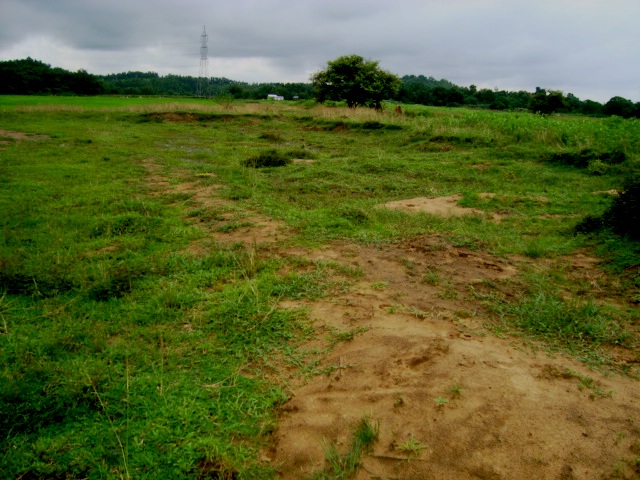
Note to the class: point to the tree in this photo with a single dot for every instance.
(547, 102)
(619, 106)
(356, 81)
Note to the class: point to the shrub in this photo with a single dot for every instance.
(624, 214)
(270, 158)
(585, 157)
(622, 217)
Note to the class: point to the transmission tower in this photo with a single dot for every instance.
(202, 89)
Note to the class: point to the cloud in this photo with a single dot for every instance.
(586, 47)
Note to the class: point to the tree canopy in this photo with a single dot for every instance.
(357, 81)
(32, 77)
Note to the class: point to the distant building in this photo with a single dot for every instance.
(273, 96)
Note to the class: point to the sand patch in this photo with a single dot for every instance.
(440, 206)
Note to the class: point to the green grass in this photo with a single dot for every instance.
(344, 466)
(583, 327)
(122, 355)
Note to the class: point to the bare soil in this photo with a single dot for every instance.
(419, 357)
(18, 137)
(432, 375)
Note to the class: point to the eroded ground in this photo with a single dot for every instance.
(452, 400)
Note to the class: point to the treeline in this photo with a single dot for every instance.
(150, 83)
(429, 91)
(32, 77)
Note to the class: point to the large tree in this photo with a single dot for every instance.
(357, 81)
(547, 102)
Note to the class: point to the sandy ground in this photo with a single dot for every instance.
(451, 399)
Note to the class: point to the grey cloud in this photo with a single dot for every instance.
(586, 47)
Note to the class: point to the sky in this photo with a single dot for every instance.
(590, 48)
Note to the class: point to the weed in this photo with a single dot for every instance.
(431, 277)
(346, 336)
(449, 293)
(455, 391)
(589, 383)
(441, 402)
(411, 447)
(347, 465)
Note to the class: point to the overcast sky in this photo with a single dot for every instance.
(590, 48)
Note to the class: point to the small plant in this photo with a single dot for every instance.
(411, 447)
(449, 293)
(379, 285)
(455, 391)
(347, 335)
(589, 383)
(431, 277)
(441, 402)
(343, 467)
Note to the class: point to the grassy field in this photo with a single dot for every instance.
(125, 354)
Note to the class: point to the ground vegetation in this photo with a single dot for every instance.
(195, 288)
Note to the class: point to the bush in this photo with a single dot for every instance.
(622, 217)
(270, 158)
(586, 157)
(624, 214)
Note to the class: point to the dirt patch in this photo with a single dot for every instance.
(19, 136)
(441, 206)
(452, 401)
(608, 192)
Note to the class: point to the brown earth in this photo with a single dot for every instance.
(420, 358)
(19, 136)
(443, 206)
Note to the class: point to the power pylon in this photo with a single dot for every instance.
(202, 89)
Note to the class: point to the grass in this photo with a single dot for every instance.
(122, 355)
(580, 326)
(345, 466)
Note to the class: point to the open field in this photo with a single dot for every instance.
(192, 289)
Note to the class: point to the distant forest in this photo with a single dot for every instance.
(33, 77)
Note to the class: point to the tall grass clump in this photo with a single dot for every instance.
(345, 466)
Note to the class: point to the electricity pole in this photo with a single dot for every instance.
(202, 89)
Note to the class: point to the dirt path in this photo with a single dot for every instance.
(451, 399)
